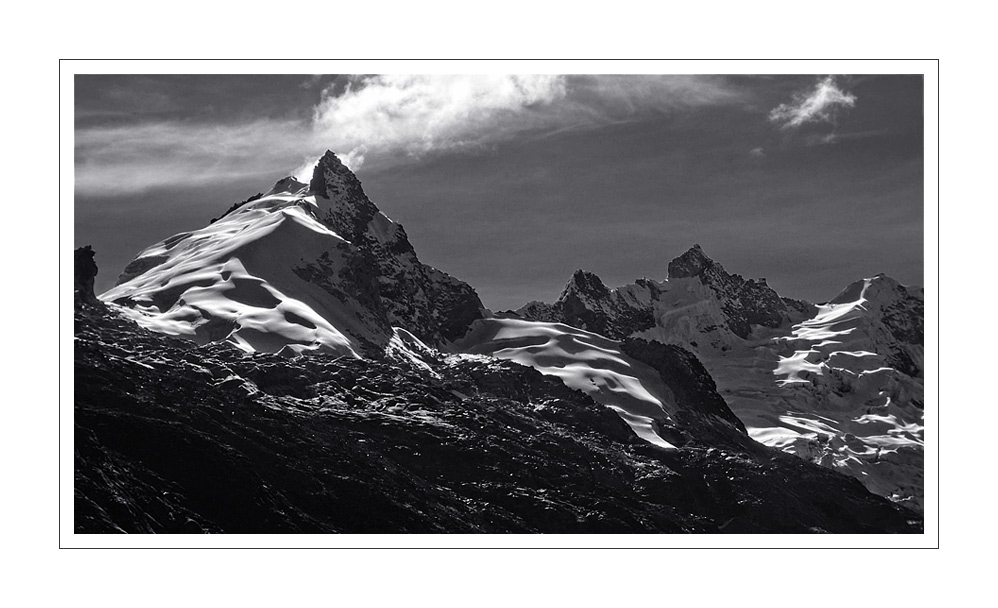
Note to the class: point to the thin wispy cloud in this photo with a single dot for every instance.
(832, 138)
(820, 104)
(133, 158)
(626, 95)
(379, 119)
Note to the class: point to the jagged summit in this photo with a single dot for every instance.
(344, 206)
(738, 303)
(744, 302)
(692, 263)
(585, 283)
(330, 175)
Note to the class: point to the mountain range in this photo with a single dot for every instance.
(293, 366)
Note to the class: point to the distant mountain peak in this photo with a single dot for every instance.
(587, 283)
(691, 264)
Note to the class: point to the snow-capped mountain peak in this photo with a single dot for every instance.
(300, 267)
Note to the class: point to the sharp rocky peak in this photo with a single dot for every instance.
(330, 177)
(744, 302)
(693, 263)
(583, 282)
(344, 207)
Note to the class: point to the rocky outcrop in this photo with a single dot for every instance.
(84, 273)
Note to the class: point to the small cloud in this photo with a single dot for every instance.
(757, 152)
(819, 104)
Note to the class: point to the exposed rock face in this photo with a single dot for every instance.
(701, 406)
(349, 211)
(586, 303)
(84, 272)
(173, 437)
(745, 303)
(901, 310)
(431, 304)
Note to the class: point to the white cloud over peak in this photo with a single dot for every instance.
(415, 114)
(420, 114)
(822, 103)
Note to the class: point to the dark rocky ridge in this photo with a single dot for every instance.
(588, 304)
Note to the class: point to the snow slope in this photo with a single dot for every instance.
(209, 285)
(584, 361)
(847, 405)
(829, 388)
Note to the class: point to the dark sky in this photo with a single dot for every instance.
(513, 183)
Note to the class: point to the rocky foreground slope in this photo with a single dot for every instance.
(171, 436)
